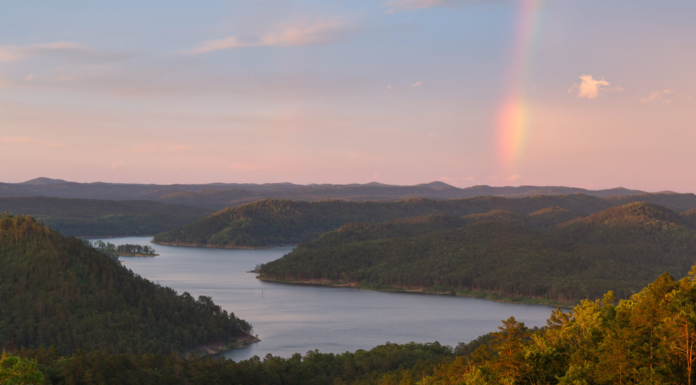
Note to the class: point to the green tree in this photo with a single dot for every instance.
(509, 342)
(678, 330)
(19, 371)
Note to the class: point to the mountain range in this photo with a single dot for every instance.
(221, 195)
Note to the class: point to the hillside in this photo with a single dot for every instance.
(57, 292)
(673, 201)
(620, 249)
(279, 222)
(641, 340)
(208, 198)
(92, 217)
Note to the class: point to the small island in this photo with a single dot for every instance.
(126, 250)
(129, 250)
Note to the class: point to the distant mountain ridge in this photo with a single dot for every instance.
(221, 195)
(274, 222)
(44, 181)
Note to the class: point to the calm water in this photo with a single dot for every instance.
(295, 319)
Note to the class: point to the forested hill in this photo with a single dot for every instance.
(648, 339)
(280, 222)
(510, 254)
(54, 291)
(98, 218)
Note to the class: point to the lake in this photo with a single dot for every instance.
(295, 319)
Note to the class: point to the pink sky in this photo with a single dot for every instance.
(401, 92)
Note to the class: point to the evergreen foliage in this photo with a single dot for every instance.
(19, 371)
(135, 249)
(619, 249)
(361, 367)
(55, 291)
(275, 222)
(647, 339)
(100, 218)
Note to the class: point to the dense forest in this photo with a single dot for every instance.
(647, 339)
(55, 291)
(272, 222)
(96, 218)
(546, 255)
(361, 367)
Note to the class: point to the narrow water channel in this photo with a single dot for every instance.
(295, 319)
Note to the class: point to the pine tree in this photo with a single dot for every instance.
(509, 343)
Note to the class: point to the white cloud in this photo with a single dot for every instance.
(29, 77)
(14, 52)
(317, 33)
(10, 53)
(445, 178)
(665, 97)
(590, 87)
(158, 148)
(16, 140)
(67, 50)
(375, 176)
(514, 177)
(468, 178)
(116, 165)
(416, 84)
(25, 140)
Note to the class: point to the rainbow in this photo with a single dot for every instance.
(514, 113)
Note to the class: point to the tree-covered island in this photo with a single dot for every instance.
(126, 250)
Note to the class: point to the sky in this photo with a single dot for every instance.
(585, 93)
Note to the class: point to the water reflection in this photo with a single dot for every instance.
(295, 319)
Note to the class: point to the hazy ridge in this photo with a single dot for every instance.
(275, 222)
(221, 195)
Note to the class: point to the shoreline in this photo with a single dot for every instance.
(137, 255)
(491, 296)
(109, 236)
(180, 244)
(216, 347)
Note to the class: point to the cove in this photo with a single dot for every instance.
(297, 318)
